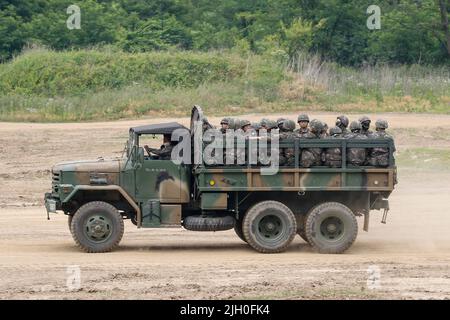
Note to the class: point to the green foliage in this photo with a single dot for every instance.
(411, 31)
(48, 73)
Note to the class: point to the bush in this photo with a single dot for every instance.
(48, 73)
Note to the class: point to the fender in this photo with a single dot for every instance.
(108, 188)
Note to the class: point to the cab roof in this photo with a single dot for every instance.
(160, 128)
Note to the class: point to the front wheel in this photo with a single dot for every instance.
(97, 227)
(331, 227)
(269, 227)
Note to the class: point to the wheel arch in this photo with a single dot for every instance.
(113, 194)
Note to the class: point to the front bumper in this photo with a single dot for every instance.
(51, 204)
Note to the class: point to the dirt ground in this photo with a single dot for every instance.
(409, 257)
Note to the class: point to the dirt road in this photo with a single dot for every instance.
(407, 258)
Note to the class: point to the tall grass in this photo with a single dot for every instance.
(393, 88)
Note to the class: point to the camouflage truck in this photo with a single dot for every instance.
(320, 204)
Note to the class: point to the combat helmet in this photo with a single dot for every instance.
(303, 117)
(316, 126)
(244, 123)
(225, 121)
(288, 125)
(232, 123)
(263, 122)
(256, 125)
(381, 124)
(271, 124)
(335, 130)
(355, 125)
(342, 119)
(280, 122)
(364, 119)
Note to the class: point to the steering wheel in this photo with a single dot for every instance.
(148, 151)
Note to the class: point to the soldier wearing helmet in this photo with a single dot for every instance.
(263, 123)
(379, 156)
(356, 156)
(365, 125)
(280, 122)
(312, 156)
(332, 157)
(342, 122)
(324, 132)
(271, 124)
(225, 125)
(303, 121)
(287, 155)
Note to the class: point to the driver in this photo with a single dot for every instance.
(164, 152)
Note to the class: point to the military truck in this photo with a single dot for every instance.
(320, 204)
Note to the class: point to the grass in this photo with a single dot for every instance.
(42, 85)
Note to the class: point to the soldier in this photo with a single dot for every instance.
(365, 125)
(332, 157)
(271, 124)
(379, 157)
(324, 132)
(280, 122)
(256, 126)
(163, 153)
(263, 123)
(356, 156)
(303, 121)
(342, 122)
(225, 125)
(287, 155)
(312, 156)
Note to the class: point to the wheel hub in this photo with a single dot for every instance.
(331, 228)
(270, 226)
(98, 228)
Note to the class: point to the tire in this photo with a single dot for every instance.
(205, 223)
(238, 230)
(331, 227)
(269, 227)
(92, 215)
(301, 218)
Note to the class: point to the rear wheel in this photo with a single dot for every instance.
(331, 227)
(97, 227)
(269, 227)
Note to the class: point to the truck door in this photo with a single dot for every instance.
(162, 180)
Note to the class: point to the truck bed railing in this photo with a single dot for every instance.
(299, 144)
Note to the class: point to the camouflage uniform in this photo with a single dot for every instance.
(365, 125)
(287, 155)
(332, 157)
(356, 156)
(379, 157)
(163, 153)
(302, 132)
(312, 156)
(342, 122)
